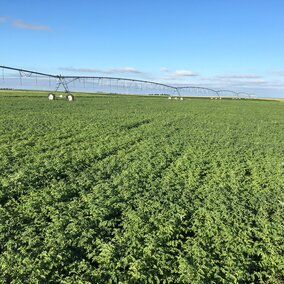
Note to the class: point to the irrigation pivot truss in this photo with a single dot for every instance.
(15, 78)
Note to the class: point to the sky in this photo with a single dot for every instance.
(232, 44)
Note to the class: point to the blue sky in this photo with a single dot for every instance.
(235, 44)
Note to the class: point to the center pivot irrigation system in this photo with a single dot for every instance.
(15, 78)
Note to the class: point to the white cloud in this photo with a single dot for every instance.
(278, 73)
(239, 76)
(164, 69)
(179, 74)
(119, 70)
(184, 73)
(82, 70)
(234, 80)
(28, 26)
(123, 70)
(20, 24)
(241, 84)
(244, 82)
(3, 19)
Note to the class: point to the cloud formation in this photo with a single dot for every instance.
(241, 83)
(121, 70)
(244, 82)
(3, 19)
(231, 80)
(278, 73)
(179, 74)
(164, 69)
(239, 76)
(20, 24)
(184, 73)
(124, 70)
(80, 70)
(28, 26)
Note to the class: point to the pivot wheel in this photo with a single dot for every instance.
(70, 98)
(51, 97)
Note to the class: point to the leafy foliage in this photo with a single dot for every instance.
(117, 189)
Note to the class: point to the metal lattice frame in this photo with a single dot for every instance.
(123, 84)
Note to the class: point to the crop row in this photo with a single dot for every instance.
(141, 190)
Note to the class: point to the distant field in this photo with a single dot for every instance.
(120, 189)
(274, 99)
(19, 93)
(36, 93)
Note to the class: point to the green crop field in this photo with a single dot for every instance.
(128, 189)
